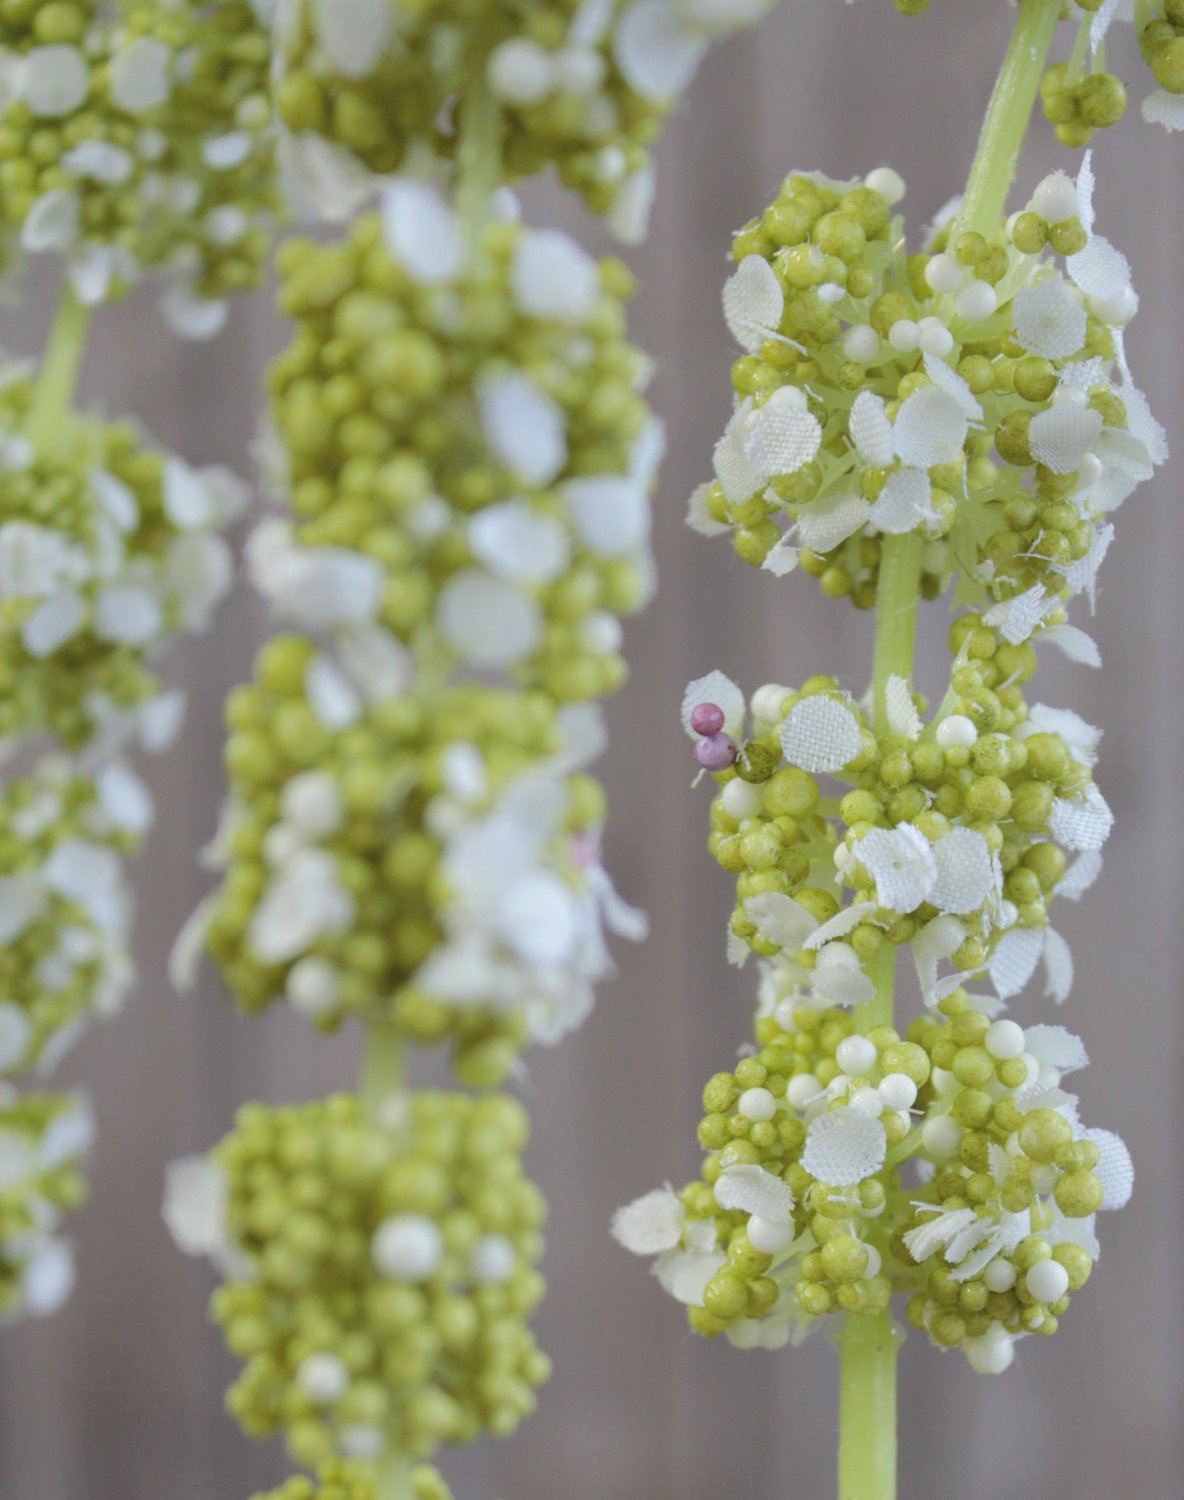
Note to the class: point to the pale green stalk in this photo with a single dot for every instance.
(868, 1345)
(53, 395)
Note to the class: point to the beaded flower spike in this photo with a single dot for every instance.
(906, 424)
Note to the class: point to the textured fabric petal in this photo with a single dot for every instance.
(1058, 967)
(737, 477)
(610, 512)
(904, 503)
(753, 303)
(421, 232)
(1162, 108)
(1014, 960)
(844, 1146)
(487, 621)
(552, 277)
(519, 544)
(1080, 875)
(650, 1224)
(902, 864)
(1081, 823)
(525, 428)
(965, 871)
(1077, 644)
(685, 1274)
(820, 734)
(780, 919)
(657, 54)
(781, 436)
(903, 717)
(699, 517)
(1048, 319)
(952, 383)
(1115, 1170)
(871, 431)
(930, 428)
(1056, 1046)
(1061, 436)
(752, 1190)
(1017, 618)
(840, 924)
(826, 523)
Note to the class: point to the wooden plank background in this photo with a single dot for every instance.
(119, 1397)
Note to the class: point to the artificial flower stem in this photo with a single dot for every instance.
(54, 392)
(867, 1408)
(478, 160)
(1008, 114)
(392, 1477)
(896, 618)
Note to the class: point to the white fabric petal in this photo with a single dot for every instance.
(751, 1190)
(1081, 576)
(820, 734)
(53, 623)
(1115, 1170)
(871, 431)
(824, 524)
(1080, 875)
(551, 276)
(936, 1233)
(1077, 644)
(487, 621)
(1057, 1047)
(191, 316)
(903, 717)
(1048, 319)
(138, 75)
(1081, 738)
(902, 864)
(952, 383)
(332, 697)
(840, 924)
(650, 1224)
(1014, 960)
(53, 81)
(305, 901)
(1162, 108)
(353, 33)
(700, 519)
(780, 919)
(1058, 967)
(904, 502)
(1016, 619)
(1061, 436)
(1081, 823)
(737, 477)
(843, 1146)
(657, 53)
(782, 558)
(518, 543)
(685, 1274)
(839, 985)
(753, 303)
(717, 688)
(1100, 270)
(421, 232)
(525, 428)
(53, 222)
(782, 435)
(930, 428)
(316, 586)
(611, 514)
(195, 1200)
(965, 871)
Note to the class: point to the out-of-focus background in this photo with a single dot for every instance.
(119, 1397)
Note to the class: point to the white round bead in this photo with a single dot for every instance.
(941, 1136)
(977, 300)
(783, 1014)
(904, 335)
(767, 1237)
(312, 803)
(999, 1276)
(757, 1104)
(767, 701)
(1004, 1039)
(1055, 198)
(1007, 916)
(1116, 311)
(802, 1089)
(1089, 470)
(323, 1378)
(740, 799)
(868, 1100)
(520, 72)
(492, 1260)
(888, 183)
(934, 337)
(842, 856)
(874, 1261)
(990, 1355)
(407, 1247)
(579, 70)
(944, 274)
(956, 729)
(861, 344)
(944, 935)
(311, 987)
(898, 1091)
(856, 1055)
(1047, 1281)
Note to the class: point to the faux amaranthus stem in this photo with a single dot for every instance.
(54, 393)
(1007, 118)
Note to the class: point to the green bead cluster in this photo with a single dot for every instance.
(376, 786)
(141, 141)
(341, 1479)
(389, 1271)
(1078, 106)
(107, 546)
(1161, 41)
(375, 402)
(42, 1137)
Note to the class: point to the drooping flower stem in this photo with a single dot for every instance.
(1010, 109)
(867, 1408)
(54, 394)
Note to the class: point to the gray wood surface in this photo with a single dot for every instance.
(119, 1397)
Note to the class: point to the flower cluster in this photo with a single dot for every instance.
(378, 1267)
(141, 141)
(346, 1479)
(971, 409)
(966, 395)
(578, 84)
(842, 1167)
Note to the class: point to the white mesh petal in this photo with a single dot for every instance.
(551, 275)
(717, 688)
(685, 1273)
(1162, 108)
(1080, 875)
(1081, 823)
(952, 383)
(752, 1190)
(1077, 644)
(844, 1146)
(1065, 1231)
(486, 620)
(1115, 1170)
(826, 523)
(1082, 739)
(871, 431)
(610, 512)
(1048, 319)
(1142, 424)
(1100, 270)
(353, 33)
(1057, 1047)
(1014, 960)
(1016, 619)
(840, 924)
(930, 428)
(753, 302)
(965, 871)
(782, 558)
(838, 985)
(781, 436)
(699, 517)
(421, 232)
(820, 734)
(780, 919)
(936, 1233)
(903, 717)
(650, 1224)
(655, 50)
(1036, 1096)
(903, 504)
(1082, 575)
(901, 863)
(525, 428)
(1058, 967)
(1061, 436)
(1085, 176)
(519, 544)
(737, 478)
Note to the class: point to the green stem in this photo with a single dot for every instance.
(54, 392)
(392, 1477)
(478, 159)
(1008, 114)
(867, 1408)
(896, 618)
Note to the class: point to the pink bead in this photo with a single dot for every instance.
(716, 752)
(707, 718)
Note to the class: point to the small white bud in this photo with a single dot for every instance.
(520, 72)
(898, 1091)
(990, 1355)
(802, 1089)
(407, 1247)
(868, 1100)
(579, 70)
(856, 1056)
(999, 1276)
(768, 1237)
(941, 1136)
(1047, 1281)
(323, 1378)
(956, 729)
(944, 274)
(977, 300)
(1055, 198)
(934, 337)
(767, 701)
(312, 803)
(904, 335)
(888, 183)
(492, 1260)
(311, 987)
(757, 1104)
(740, 799)
(861, 343)
(874, 1261)
(837, 955)
(1004, 1039)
